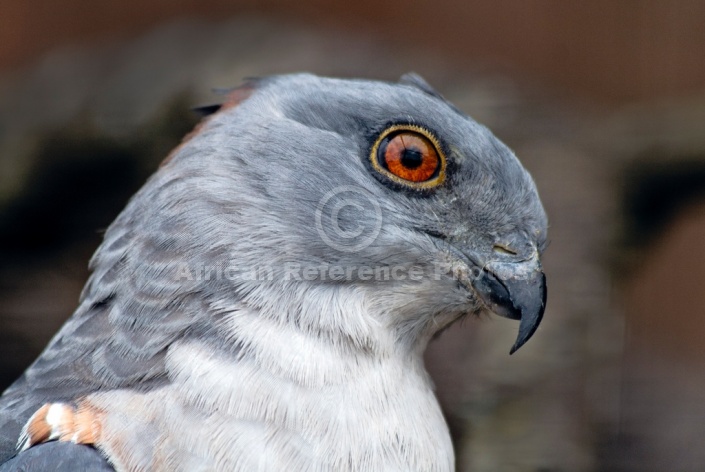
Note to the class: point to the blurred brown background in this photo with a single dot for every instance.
(603, 101)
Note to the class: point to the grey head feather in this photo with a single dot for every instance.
(207, 110)
(415, 80)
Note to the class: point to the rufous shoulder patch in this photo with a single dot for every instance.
(62, 422)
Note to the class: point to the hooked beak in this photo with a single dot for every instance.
(515, 290)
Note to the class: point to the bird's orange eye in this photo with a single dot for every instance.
(409, 155)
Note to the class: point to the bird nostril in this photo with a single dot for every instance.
(501, 249)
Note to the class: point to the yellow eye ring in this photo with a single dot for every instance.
(409, 155)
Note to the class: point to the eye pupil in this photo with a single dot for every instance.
(411, 158)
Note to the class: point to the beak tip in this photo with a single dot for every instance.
(531, 319)
(521, 340)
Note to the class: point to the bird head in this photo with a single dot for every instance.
(356, 194)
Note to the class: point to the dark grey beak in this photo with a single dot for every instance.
(516, 291)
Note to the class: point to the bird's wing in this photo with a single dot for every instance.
(133, 307)
(117, 338)
(58, 457)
